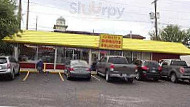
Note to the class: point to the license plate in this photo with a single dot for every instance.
(153, 71)
(124, 75)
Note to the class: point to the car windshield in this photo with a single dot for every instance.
(3, 60)
(179, 63)
(151, 64)
(79, 63)
(117, 60)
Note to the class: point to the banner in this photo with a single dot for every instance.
(111, 42)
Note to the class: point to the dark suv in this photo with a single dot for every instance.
(147, 69)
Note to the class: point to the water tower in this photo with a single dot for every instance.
(60, 25)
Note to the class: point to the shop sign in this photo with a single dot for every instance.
(112, 42)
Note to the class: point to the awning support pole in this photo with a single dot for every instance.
(81, 54)
(37, 52)
(55, 58)
(99, 55)
(73, 54)
(90, 57)
(16, 52)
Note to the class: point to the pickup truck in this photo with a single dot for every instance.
(175, 69)
(116, 66)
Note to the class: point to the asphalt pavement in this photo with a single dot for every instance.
(47, 90)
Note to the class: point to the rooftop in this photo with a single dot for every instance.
(86, 41)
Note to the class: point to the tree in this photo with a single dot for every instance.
(171, 33)
(9, 23)
(187, 38)
(153, 36)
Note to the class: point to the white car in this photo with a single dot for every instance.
(9, 67)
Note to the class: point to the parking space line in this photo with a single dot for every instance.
(62, 79)
(95, 77)
(26, 76)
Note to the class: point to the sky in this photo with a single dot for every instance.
(106, 16)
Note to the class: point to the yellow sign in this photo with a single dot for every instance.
(112, 42)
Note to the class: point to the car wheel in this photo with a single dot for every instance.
(18, 72)
(89, 78)
(108, 79)
(130, 80)
(67, 76)
(12, 75)
(173, 78)
(155, 79)
(138, 77)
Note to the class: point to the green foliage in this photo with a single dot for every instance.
(9, 23)
(172, 33)
(153, 36)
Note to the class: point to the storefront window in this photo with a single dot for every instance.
(116, 53)
(128, 55)
(146, 56)
(27, 53)
(137, 55)
(46, 53)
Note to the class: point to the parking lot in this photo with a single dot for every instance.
(48, 90)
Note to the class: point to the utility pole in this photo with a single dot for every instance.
(36, 23)
(156, 20)
(20, 13)
(27, 18)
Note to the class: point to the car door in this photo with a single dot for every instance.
(99, 65)
(15, 65)
(103, 64)
(164, 68)
(67, 66)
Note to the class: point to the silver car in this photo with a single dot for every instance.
(9, 66)
(77, 69)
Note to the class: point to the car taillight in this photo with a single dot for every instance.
(160, 68)
(8, 66)
(88, 69)
(182, 70)
(71, 69)
(145, 68)
(112, 67)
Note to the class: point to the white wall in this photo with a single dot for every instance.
(186, 58)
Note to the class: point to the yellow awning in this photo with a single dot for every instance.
(88, 41)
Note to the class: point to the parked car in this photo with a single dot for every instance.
(147, 69)
(77, 69)
(175, 69)
(9, 67)
(116, 66)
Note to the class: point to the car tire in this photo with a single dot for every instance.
(130, 80)
(12, 75)
(138, 77)
(173, 78)
(89, 78)
(67, 76)
(108, 78)
(155, 79)
(18, 72)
